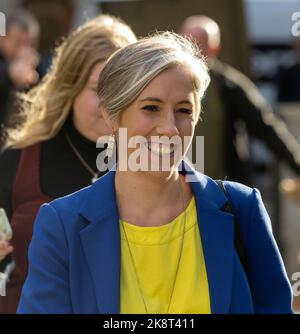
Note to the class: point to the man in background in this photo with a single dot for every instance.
(18, 58)
(233, 109)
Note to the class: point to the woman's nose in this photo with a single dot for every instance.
(167, 126)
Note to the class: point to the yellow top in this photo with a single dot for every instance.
(155, 251)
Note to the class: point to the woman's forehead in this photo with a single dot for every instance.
(173, 82)
(174, 76)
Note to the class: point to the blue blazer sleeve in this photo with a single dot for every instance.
(46, 289)
(270, 287)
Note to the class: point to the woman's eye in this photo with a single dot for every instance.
(185, 111)
(150, 108)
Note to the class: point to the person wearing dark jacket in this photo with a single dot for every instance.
(18, 58)
(233, 110)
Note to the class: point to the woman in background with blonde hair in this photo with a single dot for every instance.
(53, 151)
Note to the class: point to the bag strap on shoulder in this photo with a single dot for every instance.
(238, 239)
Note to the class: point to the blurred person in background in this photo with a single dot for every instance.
(53, 152)
(233, 108)
(289, 78)
(289, 92)
(18, 58)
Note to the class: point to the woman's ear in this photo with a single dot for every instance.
(103, 113)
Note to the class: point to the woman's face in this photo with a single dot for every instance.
(166, 107)
(86, 116)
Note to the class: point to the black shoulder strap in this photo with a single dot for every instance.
(238, 239)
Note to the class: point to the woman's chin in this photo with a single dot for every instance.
(162, 170)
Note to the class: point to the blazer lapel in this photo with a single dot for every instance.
(101, 243)
(217, 236)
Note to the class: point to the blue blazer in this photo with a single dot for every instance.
(75, 252)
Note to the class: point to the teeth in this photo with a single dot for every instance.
(160, 148)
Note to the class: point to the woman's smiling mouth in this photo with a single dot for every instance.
(160, 149)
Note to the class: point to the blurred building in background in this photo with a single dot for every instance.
(269, 25)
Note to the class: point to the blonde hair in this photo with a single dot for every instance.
(45, 108)
(130, 69)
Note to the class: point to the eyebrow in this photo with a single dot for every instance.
(92, 82)
(155, 99)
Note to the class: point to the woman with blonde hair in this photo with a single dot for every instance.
(153, 235)
(52, 152)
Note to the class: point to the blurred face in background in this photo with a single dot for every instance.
(87, 119)
(15, 40)
(205, 32)
(200, 37)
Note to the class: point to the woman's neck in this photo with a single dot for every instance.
(150, 200)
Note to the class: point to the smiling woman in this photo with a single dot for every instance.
(166, 107)
(161, 241)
